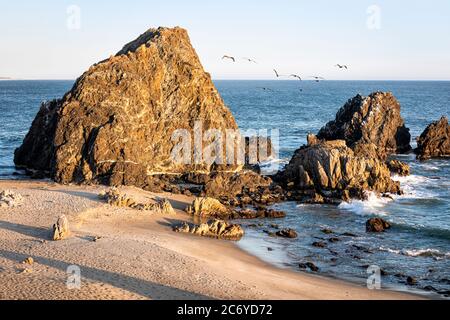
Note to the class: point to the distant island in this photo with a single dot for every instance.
(5, 78)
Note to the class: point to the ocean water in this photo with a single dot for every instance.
(418, 245)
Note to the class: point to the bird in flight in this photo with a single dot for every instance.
(250, 60)
(229, 57)
(296, 76)
(317, 78)
(341, 66)
(276, 73)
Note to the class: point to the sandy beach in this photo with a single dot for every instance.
(137, 255)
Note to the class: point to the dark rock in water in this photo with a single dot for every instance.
(327, 231)
(332, 169)
(430, 288)
(312, 266)
(333, 240)
(398, 167)
(308, 265)
(434, 142)
(411, 281)
(348, 234)
(377, 225)
(116, 124)
(372, 126)
(287, 233)
(319, 244)
(269, 249)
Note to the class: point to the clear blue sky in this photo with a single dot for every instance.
(295, 36)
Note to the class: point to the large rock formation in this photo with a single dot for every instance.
(334, 171)
(434, 142)
(115, 125)
(372, 126)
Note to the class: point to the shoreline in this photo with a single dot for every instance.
(129, 262)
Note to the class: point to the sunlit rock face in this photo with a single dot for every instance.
(116, 125)
(372, 126)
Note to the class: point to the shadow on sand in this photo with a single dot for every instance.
(139, 286)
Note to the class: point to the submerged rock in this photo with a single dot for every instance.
(434, 142)
(61, 228)
(333, 170)
(116, 124)
(10, 199)
(372, 126)
(377, 225)
(215, 229)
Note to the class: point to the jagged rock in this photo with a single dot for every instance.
(115, 125)
(287, 233)
(61, 228)
(377, 225)
(319, 244)
(115, 198)
(398, 167)
(10, 199)
(257, 214)
(372, 126)
(215, 229)
(434, 142)
(332, 169)
(208, 207)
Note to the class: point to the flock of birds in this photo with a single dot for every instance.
(277, 74)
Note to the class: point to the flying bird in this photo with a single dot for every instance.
(341, 66)
(296, 76)
(276, 73)
(229, 57)
(250, 60)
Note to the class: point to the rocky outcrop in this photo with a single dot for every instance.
(116, 124)
(61, 228)
(333, 170)
(9, 199)
(372, 126)
(377, 225)
(208, 207)
(398, 167)
(245, 187)
(219, 229)
(434, 142)
(115, 198)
